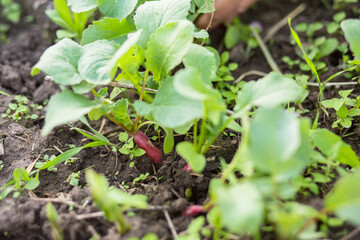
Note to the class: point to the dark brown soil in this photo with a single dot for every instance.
(25, 217)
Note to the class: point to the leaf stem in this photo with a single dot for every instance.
(195, 133)
(240, 155)
(111, 117)
(138, 118)
(202, 129)
(214, 137)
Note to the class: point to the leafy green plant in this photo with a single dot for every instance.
(21, 180)
(239, 32)
(112, 201)
(21, 109)
(73, 24)
(11, 12)
(274, 151)
(141, 177)
(313, 69)
(53, 217)
(341, 106)
(47, 159)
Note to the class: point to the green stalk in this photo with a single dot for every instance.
(139, 88)
(240, 155)
(202, 130)
(195, 134)
(215, 136)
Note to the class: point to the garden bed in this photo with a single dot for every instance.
(169, 189)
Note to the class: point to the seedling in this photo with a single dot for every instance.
(73, 24)
(142, 177)
(239, 32)
(345, 107)
(53, 217)
(11, 10)
(112, 201)
(21, 109)
(21, 181)
(47, 159)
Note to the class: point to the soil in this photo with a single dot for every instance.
(22, 143)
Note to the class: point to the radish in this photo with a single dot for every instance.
(193, 211)
(151, 151)
(187, 168)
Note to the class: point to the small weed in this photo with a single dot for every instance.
(142, 177)
(21, 109)
(346, 108)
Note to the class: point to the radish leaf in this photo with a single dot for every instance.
(60, 62)
(196, 160)
(169, 108)
(82, 6)
(65, 107)
(154, 14)
(167, 47)
(117, 9)
(344, 200)
(111, 29)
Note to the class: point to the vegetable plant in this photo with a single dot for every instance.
(112, 201)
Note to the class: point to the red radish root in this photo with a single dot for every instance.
(144, 143)
(193, 211)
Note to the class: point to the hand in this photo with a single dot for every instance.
(226, 10)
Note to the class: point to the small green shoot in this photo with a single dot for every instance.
(112, 201)
(53, 217)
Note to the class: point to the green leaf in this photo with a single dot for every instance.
(60, 62)
(167, 47)
(169, 108)
(354, 112)
(123, 137)
(70, 153)
(83, 87)
(290, 219)
(342, 112)
(332, 146)
(117, 9)
(120, 111)
(345, 93)
(154, 14)
(196, 160)
(272, 90)
(189, 83)
(334, 103)
(65, 107)
(98, 64)
(82, 6)
(61, 15)
(205, 6)
(4, 93)
(111, 29)
(169, 140)
(32, 183)
(241, 207)
(351, 29)
(278, 143)
(232, 36)
(344, 200)
(202, 59)
(307, 59)
(131, 61)
(328, 47)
